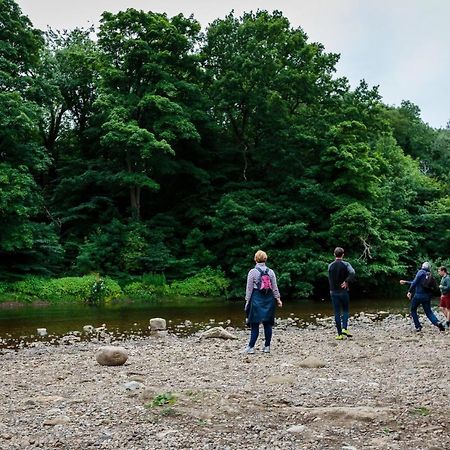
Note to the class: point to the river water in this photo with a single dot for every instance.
(21, 322)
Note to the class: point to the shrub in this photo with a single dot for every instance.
(206, 283)
(90, 288)
(154, 279)
(31, 287)
(139, 289)
(149, 286)
(5, 287)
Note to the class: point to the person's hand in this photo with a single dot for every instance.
(344, 285)
(409, 295)
(279, 302)
(402, 281)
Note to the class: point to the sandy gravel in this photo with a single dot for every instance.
(386, 388)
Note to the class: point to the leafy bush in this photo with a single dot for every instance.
(90, 288)
(148, 286)
(123, 248)
(139, 289)
(4, 287)
(154, 279)
(206, 283)
(31, 287)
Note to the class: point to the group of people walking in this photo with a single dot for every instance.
(422, 295)
(262, 294)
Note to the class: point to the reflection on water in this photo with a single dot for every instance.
(132, 318)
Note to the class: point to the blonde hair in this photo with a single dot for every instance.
(260, 256)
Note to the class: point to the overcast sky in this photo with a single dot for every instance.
(400, 45)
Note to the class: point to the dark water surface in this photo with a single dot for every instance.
(21, 322)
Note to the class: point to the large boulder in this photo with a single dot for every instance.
(111, 356)
(157, 324)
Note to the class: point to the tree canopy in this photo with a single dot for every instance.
(156, 147)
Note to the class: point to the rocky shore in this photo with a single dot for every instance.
(385, 388)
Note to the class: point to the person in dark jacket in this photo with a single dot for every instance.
(260, 304)
(422, 297)
(340, 274)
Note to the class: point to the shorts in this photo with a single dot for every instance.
(445, 301)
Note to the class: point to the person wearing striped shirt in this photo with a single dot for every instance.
(260, 304)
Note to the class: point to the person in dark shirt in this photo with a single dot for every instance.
(421, 297)
(444, 286)
(340, 274)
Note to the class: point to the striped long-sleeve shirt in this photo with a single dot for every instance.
(253, 278)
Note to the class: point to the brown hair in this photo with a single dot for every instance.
(339, 252)
(443, 269)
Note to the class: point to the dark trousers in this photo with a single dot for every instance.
(255, 333)
(340, 300)
(425, 301)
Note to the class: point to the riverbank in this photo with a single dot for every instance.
(386, 388)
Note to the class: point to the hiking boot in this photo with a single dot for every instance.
(418, 330)
(266, 349)
(345, 332)
(340, 337)
(249, 351)
(440, 326)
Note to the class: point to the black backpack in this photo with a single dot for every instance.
(429, 283)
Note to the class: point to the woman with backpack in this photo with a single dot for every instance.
(260, 297)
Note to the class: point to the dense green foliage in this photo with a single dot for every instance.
(156, 148)
(89, 288)
(94, 289)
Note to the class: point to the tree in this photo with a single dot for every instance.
(267, 83)
(19, 49)
(146, 78)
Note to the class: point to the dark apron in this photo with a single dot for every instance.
(261, 307)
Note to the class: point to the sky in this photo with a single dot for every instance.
(402, 46)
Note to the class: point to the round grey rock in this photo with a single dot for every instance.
(111, 356)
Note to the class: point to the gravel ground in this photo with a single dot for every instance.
(385, 388)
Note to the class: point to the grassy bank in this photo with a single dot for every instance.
(95, 288)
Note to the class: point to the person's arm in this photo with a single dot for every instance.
(250, 284)
(350, 275)
(350, 272)
(275, 290)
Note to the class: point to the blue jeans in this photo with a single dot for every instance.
(340, 300)
(425, 301)
(255, 333)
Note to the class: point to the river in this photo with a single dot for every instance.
(20, 323)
